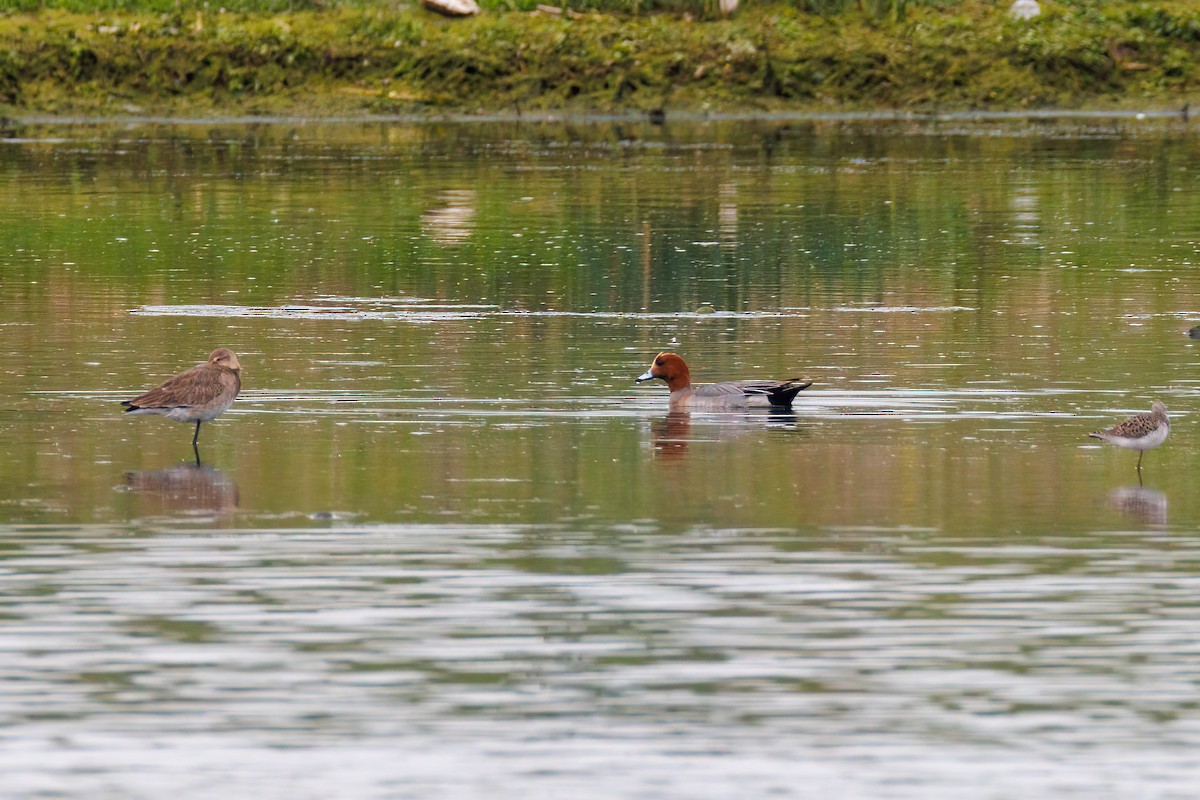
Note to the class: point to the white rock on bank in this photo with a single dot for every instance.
(1024, 9)
(452, 8)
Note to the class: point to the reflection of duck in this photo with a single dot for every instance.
(782, 419)
(672, 369)
(670, 435)
(187, 487)
(1140, 503)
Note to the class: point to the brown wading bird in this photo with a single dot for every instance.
(1140, 432)
(200, 394)
(717, 396)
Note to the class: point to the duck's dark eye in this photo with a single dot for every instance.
(658, 362)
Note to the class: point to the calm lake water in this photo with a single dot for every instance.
(443, 547)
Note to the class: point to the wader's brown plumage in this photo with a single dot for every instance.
(200, 394)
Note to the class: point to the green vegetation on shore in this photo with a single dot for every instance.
(352, 58)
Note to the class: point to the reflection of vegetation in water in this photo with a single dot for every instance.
(352, 57)
(858, 218)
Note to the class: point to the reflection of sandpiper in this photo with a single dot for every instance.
(186, 488)
(200, 394)
(1140, 432)
(1138, 502)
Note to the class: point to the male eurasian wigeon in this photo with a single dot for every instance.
(200, 394)
(716, 396)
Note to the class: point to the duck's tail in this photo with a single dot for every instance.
(782, 395)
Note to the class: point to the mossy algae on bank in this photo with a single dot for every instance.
(769, 58)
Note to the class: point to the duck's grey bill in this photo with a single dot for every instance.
(645, 376)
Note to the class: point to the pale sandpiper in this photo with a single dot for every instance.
(1140, 432)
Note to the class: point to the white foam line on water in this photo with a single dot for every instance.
(907, 405)
(422, 314)
(809, 397)
(912, 406)
(431, 313)
(460, 416)
(397, 301)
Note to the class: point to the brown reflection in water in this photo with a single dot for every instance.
(1141, 504)
(453, 220)
(186, 488)
(671, 435)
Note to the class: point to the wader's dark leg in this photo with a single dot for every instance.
(196, 436)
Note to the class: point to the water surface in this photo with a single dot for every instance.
(442, 546)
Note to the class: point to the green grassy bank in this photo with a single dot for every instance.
(356, 59)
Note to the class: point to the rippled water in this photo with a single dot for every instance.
(442, 546)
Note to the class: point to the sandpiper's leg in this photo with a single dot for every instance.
(196, 436)
(1140, 454)
(196, 450)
